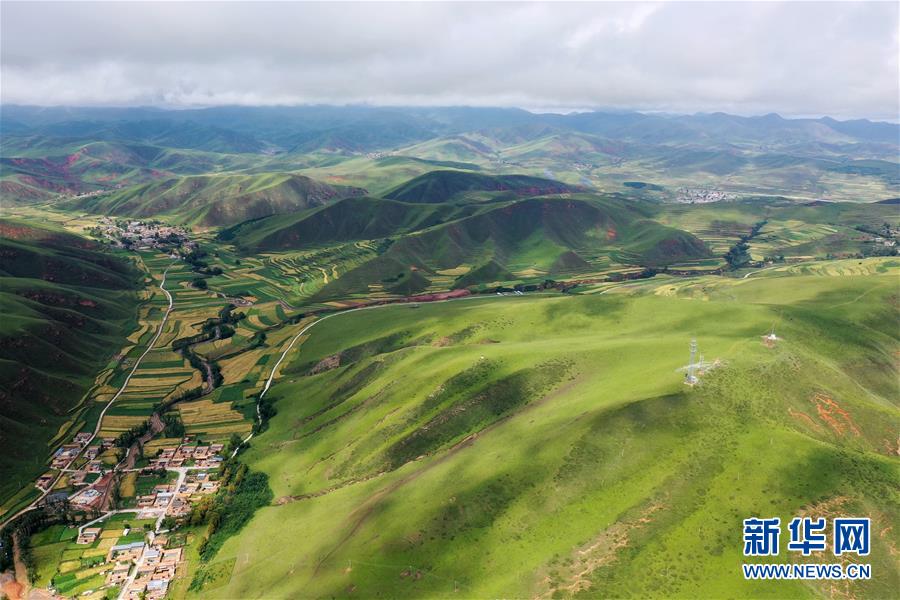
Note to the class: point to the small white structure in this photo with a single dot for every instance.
(771, 339)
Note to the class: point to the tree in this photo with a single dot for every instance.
(115, 494)
(235, 442)
(199, 283)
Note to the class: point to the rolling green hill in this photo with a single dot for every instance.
(445, 186)
(212, 200)
(540, 236)
(350, 219)
(544, 447)
(66, 306)
(39, 170)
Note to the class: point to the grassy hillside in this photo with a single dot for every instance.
(346, 220)
(35, 169)
(67, 307)
(217, 199)
(535, 237)
(445, 186)
(547, 447)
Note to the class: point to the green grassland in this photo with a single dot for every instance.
(37, 170)
(546, 446)
(52, 154)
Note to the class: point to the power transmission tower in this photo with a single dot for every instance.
(691, 378)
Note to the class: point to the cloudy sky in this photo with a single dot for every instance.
(839, 59)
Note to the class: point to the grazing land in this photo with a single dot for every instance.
(364, 353)
(406, 471)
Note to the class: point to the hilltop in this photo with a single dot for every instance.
(546, 446)
(446, 186)
(350, 219)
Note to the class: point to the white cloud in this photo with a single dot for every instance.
(796, 58)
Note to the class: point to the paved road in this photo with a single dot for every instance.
(105, 515)
(162, 324)
(182, 473)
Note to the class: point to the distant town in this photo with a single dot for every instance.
(701, 196)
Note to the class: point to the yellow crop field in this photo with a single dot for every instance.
(127, 487)
(207, 411)
(136, 336)
(121, 422)
(163, 383)
(237, 368)
(98, 551)
(69, 565)
(153, 445)
(222, 430)
(196, 380)
(460, 270)
(163, 371)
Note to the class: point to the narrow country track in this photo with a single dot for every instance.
(271, 377)
(137, 363)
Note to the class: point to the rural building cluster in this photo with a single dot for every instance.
(134, 562)
(701, 196)
(141, 235)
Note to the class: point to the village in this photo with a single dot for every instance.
(701, 196)
(141, 235)
(128, 549)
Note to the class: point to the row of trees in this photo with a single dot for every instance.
(738, 255)
(241, 493)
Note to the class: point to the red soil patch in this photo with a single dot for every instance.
(834, 416)
(805, 419)
(19, 232)
(326, 364)
(600, 551)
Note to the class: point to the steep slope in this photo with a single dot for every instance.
(445, 186)
(66, 306)
(217, 199)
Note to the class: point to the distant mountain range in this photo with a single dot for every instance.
(48, 153)
(358, 128)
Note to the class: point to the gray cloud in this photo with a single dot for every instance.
(839, 59)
